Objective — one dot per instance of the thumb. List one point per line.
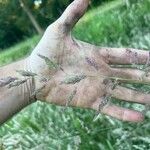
(73, 13)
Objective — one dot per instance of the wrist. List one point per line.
(14, 95)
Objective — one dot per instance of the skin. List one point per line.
(75, 57)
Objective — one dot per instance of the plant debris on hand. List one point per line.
(37, 91)
(51, 64)
(92, 63)
(73, 79)
(104, 102)
(6, 81)
(71, 96)
(26, 73)
(17, 83)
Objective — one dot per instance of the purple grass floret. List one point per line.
(92, 63)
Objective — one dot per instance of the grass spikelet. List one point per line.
(71, 96)
(104, 102)
(51, 64)
(111, 83)
(26, 73)
(6, 81)
(37, 91)
(44, 79)
(115, 84)
(17, 83)
(146, 70)
(92, 63)
(73, 79)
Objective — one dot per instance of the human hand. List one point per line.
(80, 74)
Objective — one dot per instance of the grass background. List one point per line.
(45, 127)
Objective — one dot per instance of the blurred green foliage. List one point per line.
(15, 24)
(46, 127)
(127, 26)
(18, 51)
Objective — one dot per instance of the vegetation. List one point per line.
(48, 127)
(33, 16)
(18, 51)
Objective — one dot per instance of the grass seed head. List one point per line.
(115, 84)
(51, 64)
(73, 79)
(71, 96)
(17, 83)
(92, 63)
(6, 81)
(37, 91)
(44, 79)
(26, 73)
(104, 102)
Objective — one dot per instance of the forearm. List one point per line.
(12, 100)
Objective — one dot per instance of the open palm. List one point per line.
(81, 74)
